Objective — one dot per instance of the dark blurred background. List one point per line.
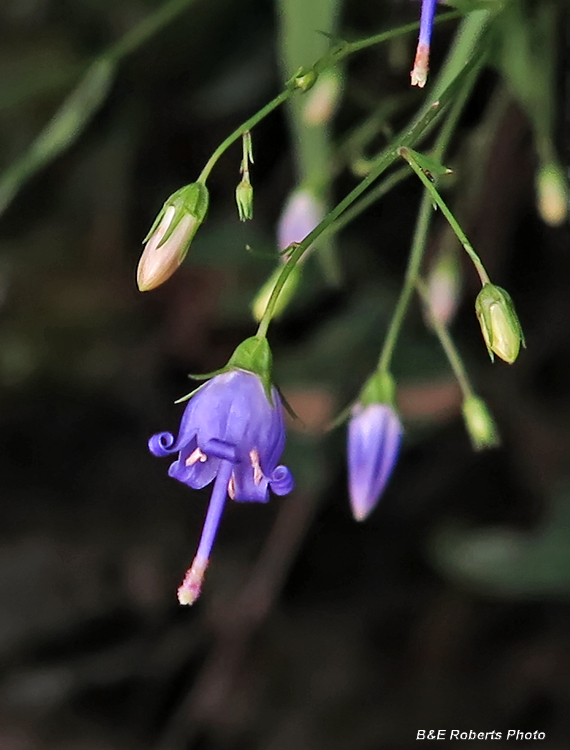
(448, 608)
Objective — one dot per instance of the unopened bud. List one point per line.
(322, 102)
(499, 323)
(552, 194)
(300, 216)
(480, 424)
(244, 199)
(444, 287)
(171, 234)
(262, 297)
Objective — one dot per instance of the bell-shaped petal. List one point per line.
(231, 433)
(374, 437)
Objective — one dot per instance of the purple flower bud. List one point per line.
(300, 216)
(230, 433)
(421, 62)
(374, 436)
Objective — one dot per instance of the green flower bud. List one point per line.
(552, 194)
(499, 323)
(244, 199)
(288, 290)
(171, 234)
(304, 79)
(480, 424)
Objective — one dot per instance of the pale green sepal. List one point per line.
(188, 396)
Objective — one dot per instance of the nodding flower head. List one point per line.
(421, 62)
(374, 437)
(233, 434)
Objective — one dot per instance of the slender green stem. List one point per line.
(347, 48)
(422, 123)
(412, 270)
(302, 247)
(421, 231)
(369, 199)
(147, 28)
(408, 155)
(243, 128)
(331, 58)
(446, 342)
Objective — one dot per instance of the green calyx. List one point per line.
(304, 79)
(252, 355)
(499, 323)
(191, 200)
(380, 388)
(244, 200)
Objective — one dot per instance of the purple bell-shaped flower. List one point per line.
(231, 433)
(374, 437)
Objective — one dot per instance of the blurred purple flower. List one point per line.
(421, 62)
(232, 434)
(374, 437)
(300, 216)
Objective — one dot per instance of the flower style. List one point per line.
(421, 62)
(374, 437)
(232, 434)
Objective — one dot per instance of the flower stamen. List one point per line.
(196, 456)
(232, 487)
(257, 472)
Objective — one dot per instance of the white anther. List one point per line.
(232, 488)
(257, 472)
(196, 456)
